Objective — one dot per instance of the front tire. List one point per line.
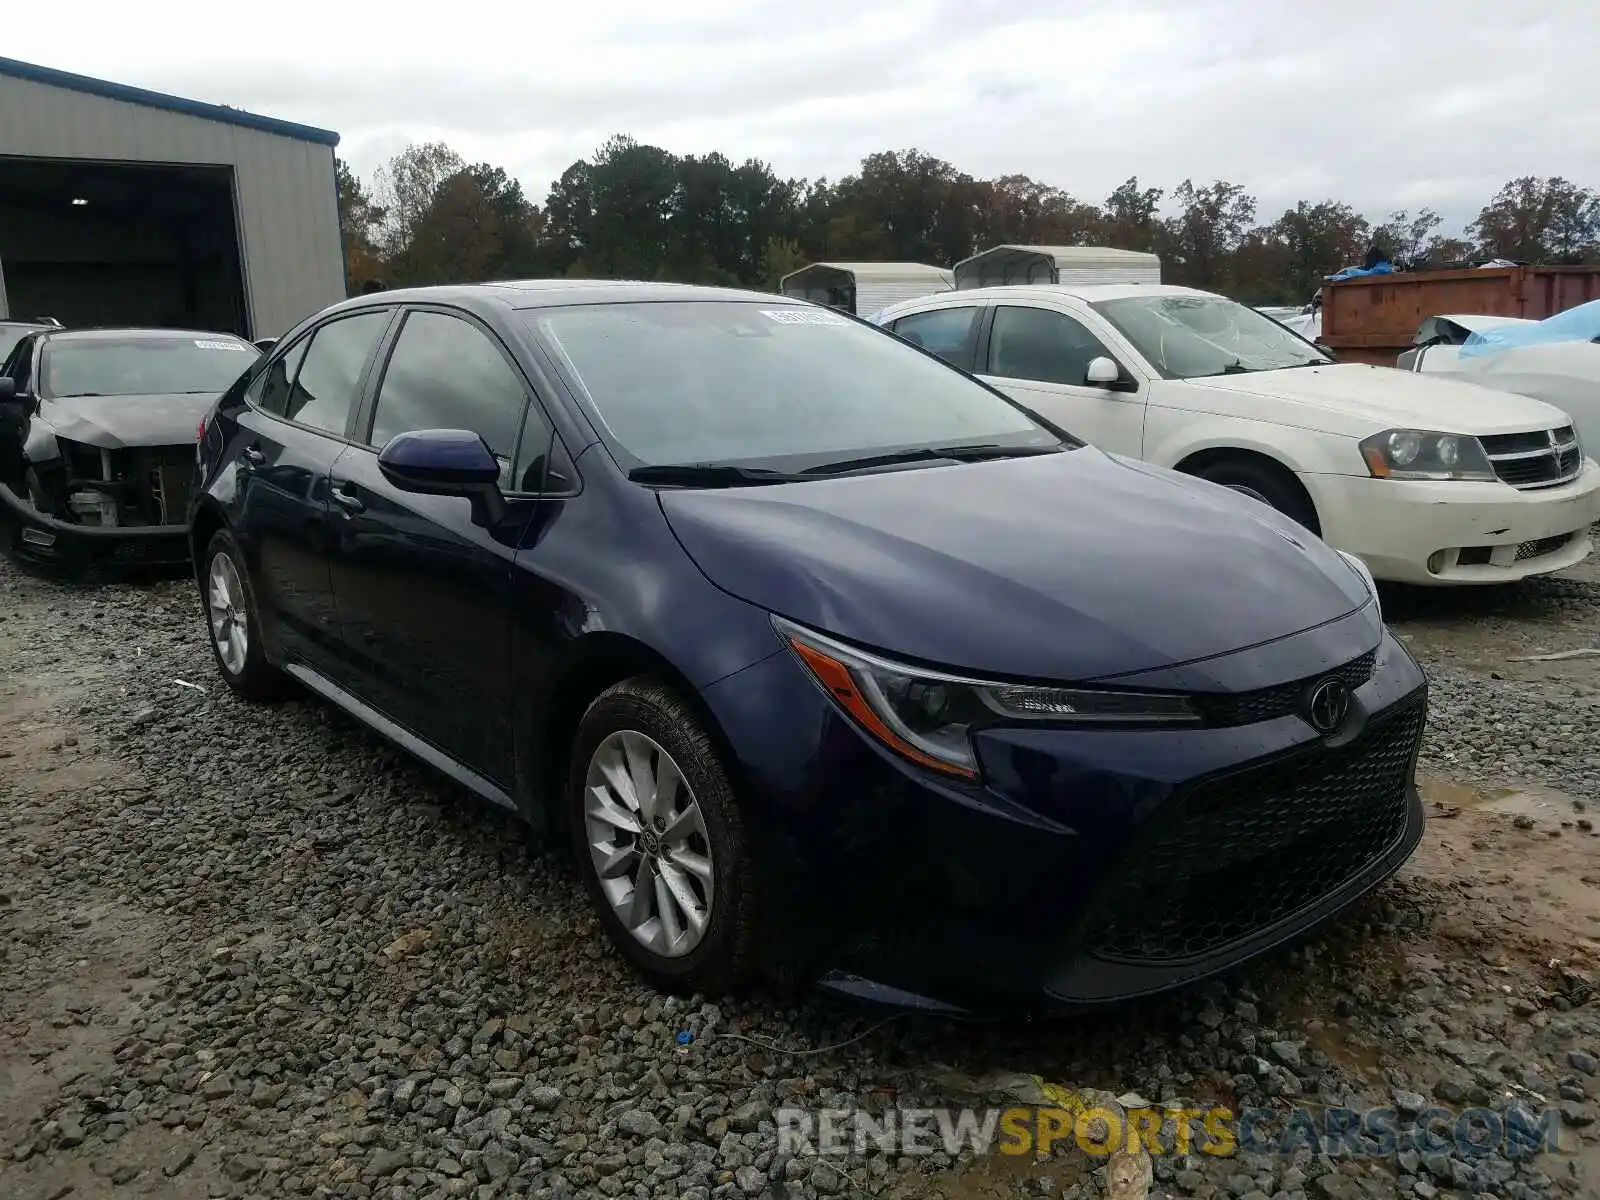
(1271, 485)
(660, 841)
(232, 625)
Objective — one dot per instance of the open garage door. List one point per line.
(117, 244)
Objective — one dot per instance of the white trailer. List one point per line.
(863, 288)
(1001, 266)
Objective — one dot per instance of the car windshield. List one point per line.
(779, 387)
(1191, 337)
(140, 366)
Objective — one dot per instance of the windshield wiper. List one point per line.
(708, 475)
(972, 453)
(74, 395)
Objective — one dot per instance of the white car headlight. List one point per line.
(1361, 569)
(1426, 454)
(928, 716)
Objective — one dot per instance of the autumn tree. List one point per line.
(359, 221)
(1444, 253)
(1539, 221)
(1409, 238)
(1208, 226)
(907, 206)
(406, 188)
(611, 215)
(1131, 218)
(1024, 211)
(477, 226)
(1318, 240)
(632, 210)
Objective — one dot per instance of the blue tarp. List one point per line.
(1382, 268)
(1581, 324)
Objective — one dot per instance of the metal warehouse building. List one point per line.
(120, 206)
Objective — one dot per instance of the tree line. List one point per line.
(636, 211)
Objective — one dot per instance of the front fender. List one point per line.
(40, 447)
(1302, 451)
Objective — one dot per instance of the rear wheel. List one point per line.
(231, 621)
(1266, 483)
(661, 842)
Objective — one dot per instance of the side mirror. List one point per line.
(446, 462)
(8, 388)
(1103, 372)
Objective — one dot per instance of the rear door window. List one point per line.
(325, 386)
(947, 332)
(270, 391)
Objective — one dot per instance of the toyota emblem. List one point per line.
(1328, 706)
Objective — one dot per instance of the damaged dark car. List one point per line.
(97, 440)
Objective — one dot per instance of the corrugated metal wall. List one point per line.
(873, 294)
(288, 214)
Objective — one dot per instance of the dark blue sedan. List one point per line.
(831, 662)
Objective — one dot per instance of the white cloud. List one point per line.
(1379, 104)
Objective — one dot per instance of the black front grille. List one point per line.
(1541, 547)
(1534, 460)
(1269, 703)
(1522, 443)
(1239, 854)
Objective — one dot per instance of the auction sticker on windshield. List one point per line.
(207, 344)
(803, 316)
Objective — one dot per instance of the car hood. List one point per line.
(112, 422)
(1071, 566)
(1356, 399)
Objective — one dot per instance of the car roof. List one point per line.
(553, 293)
(1090, 293)
(543, 293)
(135, 333)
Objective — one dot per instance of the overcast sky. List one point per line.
(1389, 104)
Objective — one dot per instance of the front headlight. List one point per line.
(1361, 569)
(1423, 454)
(928, 716)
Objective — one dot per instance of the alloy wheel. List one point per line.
(648, 843)
(230, 627)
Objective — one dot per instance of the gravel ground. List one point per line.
(256, 952)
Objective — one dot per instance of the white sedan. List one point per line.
(1428, 481)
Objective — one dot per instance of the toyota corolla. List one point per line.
(829, 661)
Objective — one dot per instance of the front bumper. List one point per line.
(1480, 532)
(40, 538)
(1091, 867)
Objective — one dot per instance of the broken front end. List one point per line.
(91, 504)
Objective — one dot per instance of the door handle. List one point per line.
(348, 500)
(252, 456)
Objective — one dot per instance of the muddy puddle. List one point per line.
(1529, 801)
